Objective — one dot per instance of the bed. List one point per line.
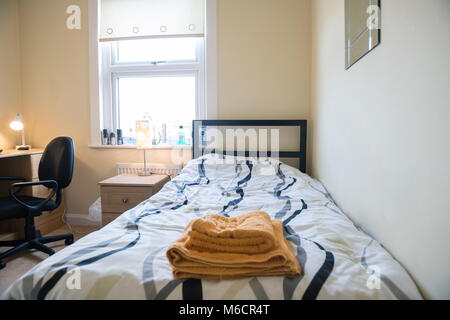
(127, 258)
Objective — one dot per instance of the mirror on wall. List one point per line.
(362, 29)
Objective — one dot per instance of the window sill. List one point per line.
(131, 147)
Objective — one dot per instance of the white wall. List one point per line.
(381, 131)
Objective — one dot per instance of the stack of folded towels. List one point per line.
(217, 247)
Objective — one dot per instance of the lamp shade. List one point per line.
(143, 136)
(17, 124)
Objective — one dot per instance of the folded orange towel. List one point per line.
(218, 265)
(249, 233)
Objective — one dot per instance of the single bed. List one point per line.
(127, 258)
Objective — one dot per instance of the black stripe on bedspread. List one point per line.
(133, 226)
(192, 289)
(181, 189)
(290, 284)
(238, 189)
(320, 277)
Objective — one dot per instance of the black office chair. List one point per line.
(55, 172)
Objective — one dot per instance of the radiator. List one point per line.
(171, 170)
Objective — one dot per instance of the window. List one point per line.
(151, 50)
(161, 79)
(151, 58)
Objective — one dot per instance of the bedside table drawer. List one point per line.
(124, 192)
(121, 199)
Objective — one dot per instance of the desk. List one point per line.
(26, 164)
(12, 153)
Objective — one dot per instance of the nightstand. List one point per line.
(124, 192)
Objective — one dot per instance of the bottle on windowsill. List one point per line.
(119, 137)
(181, 136)
(105, 137)
(112, 139)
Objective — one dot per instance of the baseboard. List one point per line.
(81, 220)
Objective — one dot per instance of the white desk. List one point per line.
(9, 153)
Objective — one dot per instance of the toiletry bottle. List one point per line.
(105, 139)
(181, 135)
(112, 139)
(119, 137)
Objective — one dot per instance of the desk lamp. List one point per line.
(17, 125)
(143, 141)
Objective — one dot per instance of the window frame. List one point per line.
(112, 70)
(209, 96)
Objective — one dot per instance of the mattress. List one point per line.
(127, 258)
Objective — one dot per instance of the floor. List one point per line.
(19, 264)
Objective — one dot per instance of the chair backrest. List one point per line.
(57, 162)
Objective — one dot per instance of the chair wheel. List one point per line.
(2, 264)
(69, 241)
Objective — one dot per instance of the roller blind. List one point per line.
(131, 19)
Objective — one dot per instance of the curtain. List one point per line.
(133, 19)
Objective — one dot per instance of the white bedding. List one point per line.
(126, 259)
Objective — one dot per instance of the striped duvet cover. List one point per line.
(127, 258)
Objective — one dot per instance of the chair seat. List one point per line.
(9, 208)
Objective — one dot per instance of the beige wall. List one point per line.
(10, 71)
(55, 77)
(381, 132)
(252, 83)
(264, 59)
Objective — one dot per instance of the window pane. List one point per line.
(154, 50)
(167, 100)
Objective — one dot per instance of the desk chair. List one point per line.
(55, 172)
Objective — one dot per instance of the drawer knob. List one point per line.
(125, 200)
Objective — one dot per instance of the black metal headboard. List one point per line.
(199, 125)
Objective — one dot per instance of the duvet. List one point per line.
(127, 258)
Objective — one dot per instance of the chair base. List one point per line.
(37, 243)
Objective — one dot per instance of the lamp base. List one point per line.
(23, 148)
(144, 173)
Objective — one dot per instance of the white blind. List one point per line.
(129, 19)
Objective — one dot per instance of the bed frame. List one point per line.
(198, 150)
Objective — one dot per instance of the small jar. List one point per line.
(119, 137)
(112, 139)
(105, 137)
